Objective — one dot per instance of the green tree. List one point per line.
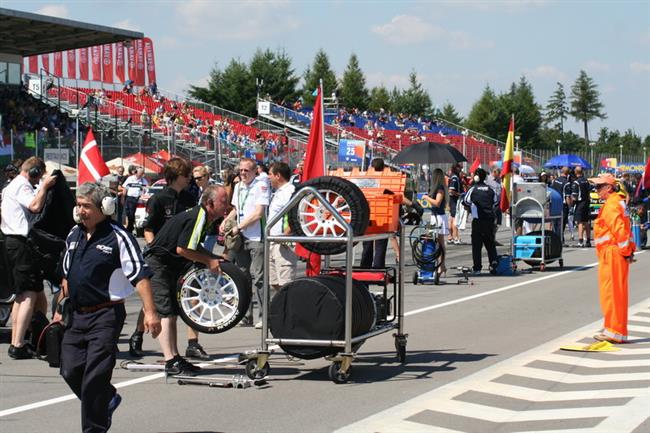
(450, 114)
(274, 74)
(487, 114)
(379, 98)
(232, 89)
(585, 102)
(557, 109)
(320, 69)
(415, 100)
(354, 93)
(397, 104)
(520, 101)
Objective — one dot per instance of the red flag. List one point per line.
(151, 61)
(72, 63)
(314, 167)
(83, 64)
(96, 60)
(475, 165)
(646, 175)
(91, 164)
(119, 62)
(139, 62)
(506, 170)
(107, 62)
(33, 64)
(45, 60)
(58, 64)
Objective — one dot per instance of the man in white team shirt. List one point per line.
(250, 200)
(283, 260)
(134, 186)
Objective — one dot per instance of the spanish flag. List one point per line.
(506, 172)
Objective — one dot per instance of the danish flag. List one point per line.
(91, 164)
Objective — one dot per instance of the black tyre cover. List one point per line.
(314, 308)
(354, 198)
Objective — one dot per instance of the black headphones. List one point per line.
(35, 172)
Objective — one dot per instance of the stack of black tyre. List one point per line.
(313, 308)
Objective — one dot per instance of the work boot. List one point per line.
(135, 345)
(195, 350)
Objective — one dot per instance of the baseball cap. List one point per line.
(603, 178)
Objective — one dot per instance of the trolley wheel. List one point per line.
(436, 276)
(400, 347)
(542, 267)
(561, 262)
(256, 373)
(415, 278)
(336, 375)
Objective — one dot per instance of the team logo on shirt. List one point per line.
(105, 249)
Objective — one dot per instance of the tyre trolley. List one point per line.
(538, 247)
(344, 350)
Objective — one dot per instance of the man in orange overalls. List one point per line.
(615, 251)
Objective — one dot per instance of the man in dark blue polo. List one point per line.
(101, 266)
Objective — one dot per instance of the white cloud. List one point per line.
(645, 37)
(640, 68)
(546, 72)
(595, 65)
(169, 42)
(126, 24)
(59, 11)
(387, 80)
(181, 84)
(236, 20)
(510, 7)
(406, 29)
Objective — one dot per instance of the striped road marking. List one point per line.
(543, 389)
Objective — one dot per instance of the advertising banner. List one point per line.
(119, 62)
(139, 62)
(352, 151)
(107, 63)
(96, 59)
(132, 68)
(72, 63)
(58, 64)
(151, 60)
(83, 64)
(45, 62)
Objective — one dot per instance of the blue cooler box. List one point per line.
(525, 246)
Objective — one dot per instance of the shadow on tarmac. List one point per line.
(381, 366)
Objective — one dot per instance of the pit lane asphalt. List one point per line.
(456, 338)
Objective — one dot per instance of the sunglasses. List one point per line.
(245, 170)
(600, 186)
(198, 177)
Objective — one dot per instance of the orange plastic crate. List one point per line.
(377, 187)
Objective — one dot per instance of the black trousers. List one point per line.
(483, 235)
(374, 254)
(88, 355)
(130, 204)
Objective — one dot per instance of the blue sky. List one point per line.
(456, 47)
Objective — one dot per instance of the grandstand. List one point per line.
(145, 120)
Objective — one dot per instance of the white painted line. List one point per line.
(409, 313)
(492, 292)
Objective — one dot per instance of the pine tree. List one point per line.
(319, 70)
(274, 75)
(585, 102)
(557, 109)
(486, 116)
(379, 98)
(450, 114)
(520, 100)
(415, 100)
(354, 93)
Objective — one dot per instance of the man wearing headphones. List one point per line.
(20, 203)
(101, 266)
(483, 201)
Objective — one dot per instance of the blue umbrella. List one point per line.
(567, 160)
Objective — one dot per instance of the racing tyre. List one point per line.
(310, 218)
(213, 303)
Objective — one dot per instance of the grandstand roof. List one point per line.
(29, 34)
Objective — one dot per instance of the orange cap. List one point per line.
(603, 178)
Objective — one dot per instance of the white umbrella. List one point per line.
(113, 164)
(526, 169)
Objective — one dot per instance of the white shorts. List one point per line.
(442, 222)
(283, 263)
